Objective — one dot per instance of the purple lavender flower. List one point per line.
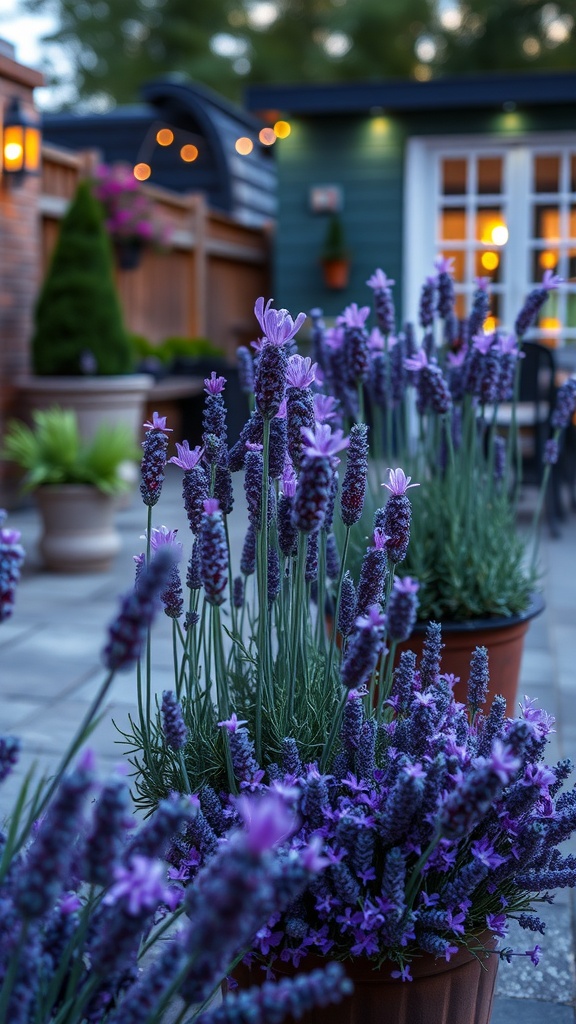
(273, 574)
(311, 570)
(213, 553)
(299, 414)
(270, 380)
(315, 480)
(223, 490)
(107, 834)
(445, 285)
(356, 343)
(551, 452)
(325, 408)
(12, 556)
(289, 996)
(394, 519)
(383, 301)
(246, 768)
(193, 579)
(372, 575)
(245, 370)
(248, 559)
(364, 648)
(154, 445)
(171, 596)
(46, 869)
(354, 484)
(565, 406)
(403, 681)
(277, 324)
(9, 751)
(127, 632)
(431, 656)
(278, 446)
(402, 608)
(534, 302)
(253, 485)
(173, 727)
(214, 414)
(480, 306)
(238, 592)
(427, 301)
(488, 381)
(467, 804)
(194, 482)
(333, 563)
(478, 680)
(347, 613)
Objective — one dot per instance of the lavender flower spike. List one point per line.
(213, 553)
(323, 442)
(11, 558)
(402, 608)
(277, 324)
(187, 458)
(173, 726)
(396, 515)
(315, 480)
(364, 649)
(154, 445)
(127, 633)
(301, 372)
(354, 483)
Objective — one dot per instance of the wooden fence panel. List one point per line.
(204, 284)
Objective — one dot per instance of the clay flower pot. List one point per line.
(460, 991)
(336, 273)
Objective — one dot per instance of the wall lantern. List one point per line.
(21, 143)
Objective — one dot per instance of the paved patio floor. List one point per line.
(50, 670)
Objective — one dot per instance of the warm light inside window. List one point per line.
(550, 323)
(189, 153)
(282, 129)
(244, 145)
(142, 172)
(499, 234)
(548, 260)
(164, 137)
(490, 324)
(490, 260)
(267, 136)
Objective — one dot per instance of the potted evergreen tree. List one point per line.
(81, 352)
(335, 258)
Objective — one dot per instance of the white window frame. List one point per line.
(421, 203)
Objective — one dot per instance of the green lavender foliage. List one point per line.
(78, 310)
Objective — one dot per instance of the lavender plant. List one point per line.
(97, 923)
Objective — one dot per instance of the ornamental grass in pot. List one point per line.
(436, 820)
(75, 484)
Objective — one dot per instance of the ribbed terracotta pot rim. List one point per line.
(536, 607)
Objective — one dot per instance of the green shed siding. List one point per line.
(368, 167)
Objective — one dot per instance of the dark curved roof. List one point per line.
(243, 186)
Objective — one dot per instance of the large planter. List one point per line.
(116, 399)
(504, 638)
(458, 992)
(78, 530)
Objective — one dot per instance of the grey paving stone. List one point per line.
(529, 1011)
(554, 975)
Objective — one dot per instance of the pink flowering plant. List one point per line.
(437, 395)
(435, 821)
(129, 212)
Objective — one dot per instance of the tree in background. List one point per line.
(115, 45)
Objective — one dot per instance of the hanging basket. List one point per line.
(128, 252)
(336, 273)
(458, 992)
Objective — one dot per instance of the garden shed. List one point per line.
(481, 169)
(184, 137)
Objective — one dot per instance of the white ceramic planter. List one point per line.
(119, 399)
(78, 529)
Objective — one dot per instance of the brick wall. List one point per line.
(19, 258)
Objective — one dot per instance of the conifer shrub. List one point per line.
(78, 318)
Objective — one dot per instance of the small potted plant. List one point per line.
(130, 220)
(335, 258)
(75, 484)
(81, 353)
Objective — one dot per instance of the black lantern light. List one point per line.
(21, 143)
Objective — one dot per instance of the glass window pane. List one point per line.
(546, 223)
(453, 223)
(546, 173)
(544, 259)
(460, 306)
(573, 173)
(491, 226)
(454, 177)
(459, 258)
(489, 175)
(489, 264)
(571, 309)
(549, 319)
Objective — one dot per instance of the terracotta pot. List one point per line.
(78, 531)
(458, 992)
(336, 273)
(504, 638)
